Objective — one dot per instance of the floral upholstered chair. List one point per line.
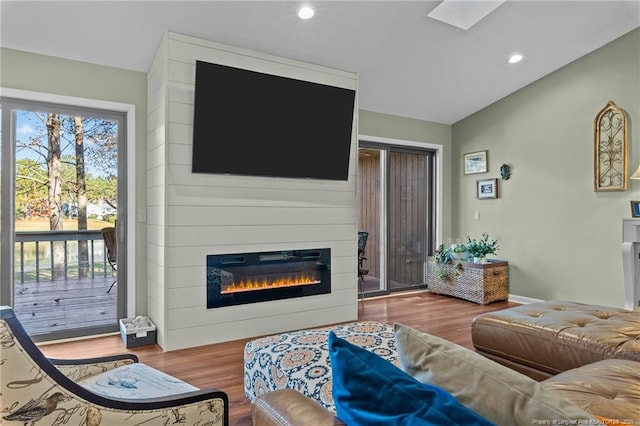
(116, 390)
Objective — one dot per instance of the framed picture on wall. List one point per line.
(635, 209)
(486, 188)
(475, 162)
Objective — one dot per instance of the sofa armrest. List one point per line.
(609, 388)
(289, 407)
(78, 369)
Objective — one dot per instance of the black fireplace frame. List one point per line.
(318, 259)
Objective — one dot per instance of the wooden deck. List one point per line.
(46, 307)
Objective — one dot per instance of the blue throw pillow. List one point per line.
(368, 390)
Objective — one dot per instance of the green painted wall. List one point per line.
(561, 238)
(48, 74)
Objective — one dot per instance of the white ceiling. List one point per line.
(407, 64)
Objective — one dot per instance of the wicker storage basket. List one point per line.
(477, 282)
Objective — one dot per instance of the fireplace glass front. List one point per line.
(239, 278)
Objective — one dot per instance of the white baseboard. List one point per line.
(522, 299)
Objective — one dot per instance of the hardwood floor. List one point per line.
(221, 365)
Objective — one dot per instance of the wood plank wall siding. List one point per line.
(221, 365)
(369, 205)
(157, 129)
(194, 215)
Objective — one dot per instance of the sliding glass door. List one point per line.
(61, 187)
(395, 206)
(408, 216)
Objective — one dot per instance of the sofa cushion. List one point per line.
(370, 390)
(498, 393)
(135, 381)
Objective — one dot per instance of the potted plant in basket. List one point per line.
(446, 255)
(459, 252)
(479, 249)
(473, 250)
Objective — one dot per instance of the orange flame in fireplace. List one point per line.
(267, 284)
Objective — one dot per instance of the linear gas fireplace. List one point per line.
(235, 279)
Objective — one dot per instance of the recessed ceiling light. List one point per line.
(305, 12)
(515, 58)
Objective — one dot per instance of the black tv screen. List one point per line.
(252, 123)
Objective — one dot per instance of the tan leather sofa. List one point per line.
(610, 388)
(290, 407)
(587, 355)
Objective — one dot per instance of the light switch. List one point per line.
(476, 215)
(142, 216)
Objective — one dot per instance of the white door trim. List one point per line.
(130, 112)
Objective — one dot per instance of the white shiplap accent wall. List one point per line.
(156, 189)
(193, 215)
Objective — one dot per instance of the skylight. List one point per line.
(463, 13)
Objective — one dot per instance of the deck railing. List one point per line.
(34, 259)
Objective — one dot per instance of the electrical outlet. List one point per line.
(476, 215)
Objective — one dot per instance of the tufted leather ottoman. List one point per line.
(546, 338)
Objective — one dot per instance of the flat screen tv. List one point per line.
(257, 124)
